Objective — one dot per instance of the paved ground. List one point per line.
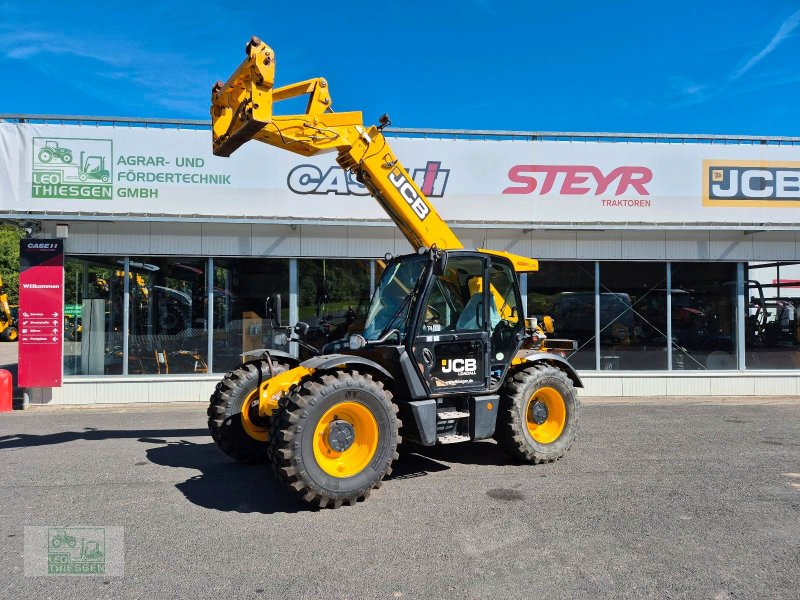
(676, 501)
(8, 352)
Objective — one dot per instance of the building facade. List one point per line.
(673, 261)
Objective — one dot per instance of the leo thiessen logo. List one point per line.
(76, 550)
(72, 168)
(751, 183)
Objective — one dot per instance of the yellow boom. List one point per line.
(242, 109)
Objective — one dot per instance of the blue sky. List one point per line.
(699, 67)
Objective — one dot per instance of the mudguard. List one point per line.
(555, 360)
(328, 361)
(280, 355)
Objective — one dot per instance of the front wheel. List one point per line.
(9, 334)
(538, 417)
(230, 419)
(336, 438)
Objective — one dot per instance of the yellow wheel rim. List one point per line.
(550, 429)
(254, 431)
(349, 416)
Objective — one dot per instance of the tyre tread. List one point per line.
(285, 441)
(511, 431)
(224, 418)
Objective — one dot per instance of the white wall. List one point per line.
(353, 241)
(176, 388)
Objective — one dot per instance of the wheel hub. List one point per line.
(340, 435)
(539, 412)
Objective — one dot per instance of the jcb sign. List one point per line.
(751, 183)
(408, 192)
(460, 366)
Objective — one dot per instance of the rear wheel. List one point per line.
(234, 427)
(538, 417)
(336, 438)
(9, 334)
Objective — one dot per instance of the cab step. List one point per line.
(452, 438)
(449, 414)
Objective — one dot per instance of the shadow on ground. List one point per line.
(226, 485)
(26, 440)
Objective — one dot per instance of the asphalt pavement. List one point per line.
(686, 500)
(8, 361)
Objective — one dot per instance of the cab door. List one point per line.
(451, 341)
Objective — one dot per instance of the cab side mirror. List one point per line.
(440, 263)
(274, 309)
(301, 329)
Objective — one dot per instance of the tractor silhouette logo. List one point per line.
(72, 168)
(76, 550)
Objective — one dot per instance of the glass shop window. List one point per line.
(772, 328)
(251, 308)
(334, 297)
(564, 290)
(168, 316)
(633, 316)
(703, 316)
(93, 315)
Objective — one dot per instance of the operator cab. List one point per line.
(454, 319)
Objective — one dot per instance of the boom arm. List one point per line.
(242, 109)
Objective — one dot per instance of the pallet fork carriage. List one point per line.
(446, 351)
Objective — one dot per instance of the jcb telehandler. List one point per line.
(445, 347)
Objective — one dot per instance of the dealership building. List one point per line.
(671, 259)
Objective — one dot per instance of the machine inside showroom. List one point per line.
(445, 351)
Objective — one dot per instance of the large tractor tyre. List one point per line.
(538, 417)
(335, 438)
(9, 334)
(45, 155)
(229, 417)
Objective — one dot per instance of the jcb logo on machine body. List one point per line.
(415, 201)
(751, 183)
(460, 366)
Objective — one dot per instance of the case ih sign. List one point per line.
(41, 312)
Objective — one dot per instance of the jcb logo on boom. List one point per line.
(460, 366)
(751, 183)
(410, 194)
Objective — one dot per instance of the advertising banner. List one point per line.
(41, 312)
(146, 172)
